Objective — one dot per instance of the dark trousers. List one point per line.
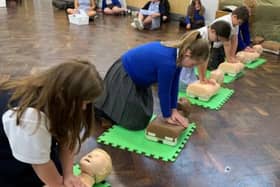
(216, 58)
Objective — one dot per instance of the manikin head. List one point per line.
(97, 164)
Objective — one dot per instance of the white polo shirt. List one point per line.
(30, 141)
(234, 29)
(204, 32)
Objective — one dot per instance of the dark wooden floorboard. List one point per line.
(243, 135)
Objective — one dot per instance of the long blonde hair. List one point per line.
(199, 48)
(59, 92)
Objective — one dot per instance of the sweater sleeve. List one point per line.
(174, 89)
(166, 75)
(241, 44)
(162, 9)
(187, 20)
(246, 33)
(146, 6)
(117, 3)
(103, 4)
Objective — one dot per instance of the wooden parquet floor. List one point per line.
(242, 137)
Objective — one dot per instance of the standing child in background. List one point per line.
(218, 31)
(149, 16)
(195, 16)
(127, 99)
(228, 49)
(42, 117)
(244, 38)
(88, 6)
(112, 7)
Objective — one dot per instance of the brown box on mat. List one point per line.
(160, 130)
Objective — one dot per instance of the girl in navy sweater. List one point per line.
(195, 15)
(127, 99)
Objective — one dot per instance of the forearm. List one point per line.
(93, 5)
(165, 104)
(202, 71)
(76, 4)
(48, 174)
(234, 43)
(227, 48)
(67, 160)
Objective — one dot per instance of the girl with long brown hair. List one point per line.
(195, 16)
(43, 116)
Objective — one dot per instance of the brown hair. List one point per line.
(60, 92)
(241, 13)
(191, 40)
(191, 9)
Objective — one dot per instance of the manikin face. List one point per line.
(187, 61)
(96, 162)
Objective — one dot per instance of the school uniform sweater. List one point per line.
(243, 36)
(196, 17)
(154, 63)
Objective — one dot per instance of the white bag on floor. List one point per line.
(80, 18)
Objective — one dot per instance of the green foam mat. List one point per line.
(227, 78)
(135, 141)
(255, 64)
(77, 172)
(215, 102)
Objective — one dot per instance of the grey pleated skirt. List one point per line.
(125, 103)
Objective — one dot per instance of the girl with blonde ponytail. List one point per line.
(127, 99)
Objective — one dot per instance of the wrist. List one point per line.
(58, 183)
(202, 79)
(174, 110)
(67, 173)
(87, 179)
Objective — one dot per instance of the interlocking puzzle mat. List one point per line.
(256, 63)
(215, 102)
(135, 141)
